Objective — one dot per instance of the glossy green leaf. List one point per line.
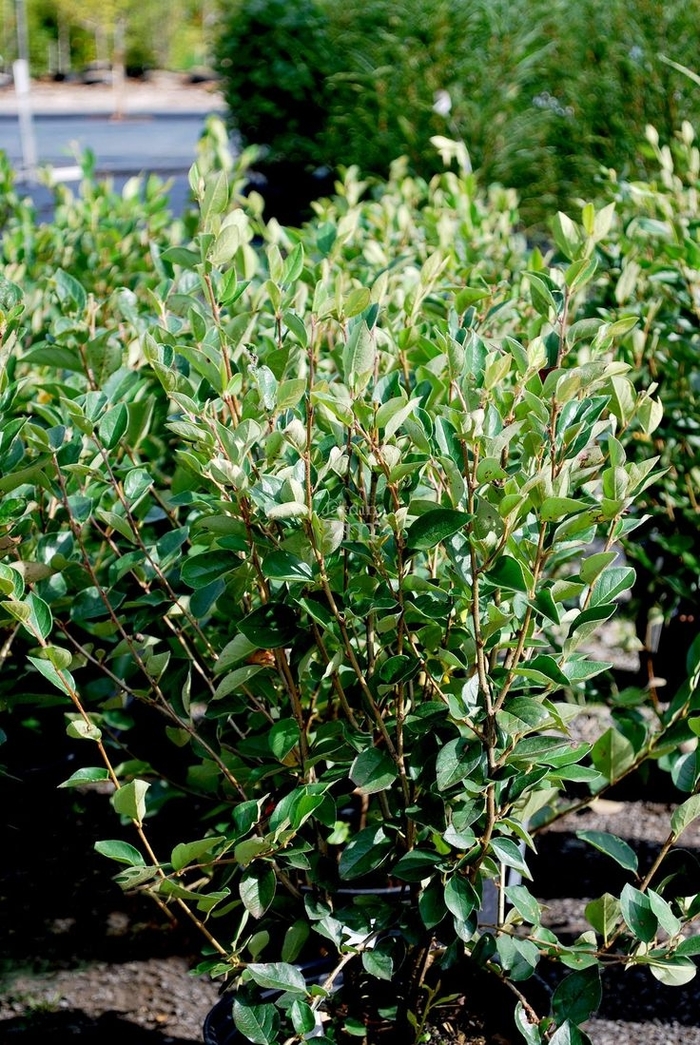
(612, 754)
(435, 526)
(80, 729)
(278, 976)
(120, 851)
(256, 1023)
(508, 852)
(461, 899)
(365, 852)
(257, 888)
(416, 865)
(303, 1017)
(373, 770)
(186, 853)
(270, 626)
(359, 355)
(578, 996)
(685, 814)
(508, 573)
(88, 775)
(200, 570)
(130, 800)
(281, 566)
(638, 914)
(603, 915)
(113, 426)
(673, 971)
(612, 846)
(569, 1034)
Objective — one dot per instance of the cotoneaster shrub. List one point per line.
(340, 506)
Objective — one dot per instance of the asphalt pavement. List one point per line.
(147, 127)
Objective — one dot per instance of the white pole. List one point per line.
(20, 71)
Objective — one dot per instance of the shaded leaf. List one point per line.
(613, 846)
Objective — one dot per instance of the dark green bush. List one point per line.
(275, 59)
(545, 95)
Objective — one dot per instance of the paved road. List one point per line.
(164, 143)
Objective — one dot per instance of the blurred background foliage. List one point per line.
(546, 94)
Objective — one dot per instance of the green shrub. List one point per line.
(340, 505)
(546, 96)
(650, 269)
(274, 58)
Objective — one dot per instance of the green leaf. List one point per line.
(88, 775)
(186, 853)
(293, 266)
(364, 853)
(508, 573)
(303, 1017)
(612, 754)
(518, 957)
(122, 852)
(79, 729)
(673, 971)
(540, 294)
(555, 508)
(378, 963)
(181, 256)
(356, 301)
(256, 1023)
(461, 898)
(612, 846)
(270, 626)
(593, 565)
(416, 865)
(637, 912)
(603, 914)
(578, 996)
(215, 196)
(236, 679)
(529, 1031)
(508, 852)
(200, 570)
(689, 948)
(40, 620)
(433, 527)
(113, 426)
(257, 888)
(569, 1034)
(294, 939)
(524, 902)
(130, 800)
(373, 771)
(283, 737)
(455, 761)
(60, 658)
(580, 273)
(359, 355)
(278, 976)
(667, 919)
(611, 583)
(70, 292)
(685, 814)
(281, 566)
